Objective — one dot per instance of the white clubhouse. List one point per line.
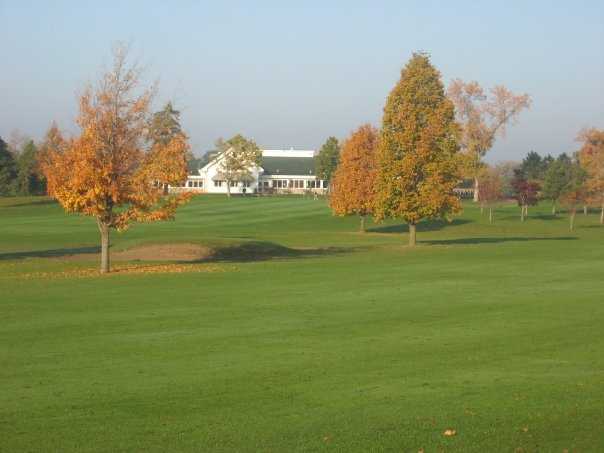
(281, 171)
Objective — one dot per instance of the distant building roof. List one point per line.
(288, 165)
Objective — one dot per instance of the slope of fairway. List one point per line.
(299, 334)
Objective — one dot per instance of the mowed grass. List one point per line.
(309, 337)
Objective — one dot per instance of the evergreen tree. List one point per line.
(418, 164)
(8, 170)
(165, 125)
(534, 166)
(30, 181)
(327, 160)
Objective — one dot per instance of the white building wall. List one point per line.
(204, 182)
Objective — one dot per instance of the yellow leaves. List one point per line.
(129, 269)
(449, 432)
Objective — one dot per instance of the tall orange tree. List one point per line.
(591, 157)
(112, 171)
(353, 184)
(482, 117)
(418, 164)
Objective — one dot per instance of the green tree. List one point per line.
(165, 125)
(239, 157)
(418, 164)
(534, 166)
(327, 160)
(556, 179)
(30, 180)
(8, 170)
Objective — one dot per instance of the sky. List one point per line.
(290, 74)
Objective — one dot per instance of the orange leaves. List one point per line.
(129, 269)
(418, 163)
(591, 157)
(353, 185)
(107, 171)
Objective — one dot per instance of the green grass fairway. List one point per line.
(306, 335)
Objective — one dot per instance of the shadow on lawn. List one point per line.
(18, 204)
(55, 253)
(491, 240)
(264, 251)
(433, 225)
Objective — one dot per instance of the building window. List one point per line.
(246, 184)
(217, 183)
(233, 183)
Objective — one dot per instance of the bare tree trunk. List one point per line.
(228, 183)
(602, 215)
(481, 208)
(573, 212)
(412, 235)
(362, 226)
(104, 230)
(490, 214)
(475, 190)
(554, 208)
(522, 213)
(584, 209)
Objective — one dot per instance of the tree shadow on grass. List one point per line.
(265, 251)
(432, 225)
(54, 253)
(19, 204)
(495, 240)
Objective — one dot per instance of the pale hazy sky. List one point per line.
(292, 73)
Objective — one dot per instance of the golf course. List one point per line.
(266, 324)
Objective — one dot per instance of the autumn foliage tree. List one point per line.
(353, 183)
(112, 171)
(574, 193)
(490, 193)
(591, 157)
(525, 191)
(239, 156)
(418, 165)
(482, 118)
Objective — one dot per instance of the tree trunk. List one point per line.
(490, 214)
(362, 226)
(228, 183)
(522, 213)
(412, 235)
(584, 210)
(475, 190)
(104, 230)
(602, 216)
(554, 208)
(573, 212)
(481, 208)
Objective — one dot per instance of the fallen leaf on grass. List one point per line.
(131, 269)
(449, 432)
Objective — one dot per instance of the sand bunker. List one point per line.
(164, 252)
